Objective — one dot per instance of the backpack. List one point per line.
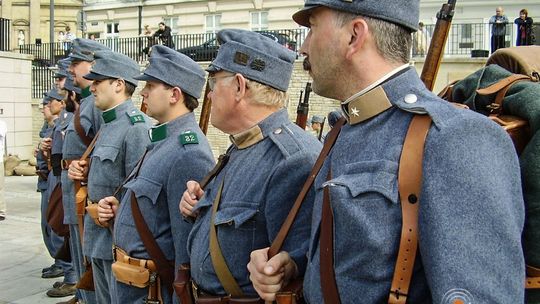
(507, 90)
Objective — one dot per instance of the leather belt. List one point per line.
(65, 163)
(119, 255)
(202, 297)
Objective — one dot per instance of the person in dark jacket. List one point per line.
(524, 28)
(164, 35)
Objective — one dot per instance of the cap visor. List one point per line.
(212, 68)
(145, 77)
(94, 76)
(302, 16)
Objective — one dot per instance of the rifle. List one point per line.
(303, 107)
(205, 110)
(322, 128)
(438, 42)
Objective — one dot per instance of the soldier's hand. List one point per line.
(107, 208)
(45, 144)
(269, 276)
(190, 198)
(78, 170)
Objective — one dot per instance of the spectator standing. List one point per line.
(164, 35)
(498, 29)
(421, 40)
(150, 39)
(68, 38)
(524, 28)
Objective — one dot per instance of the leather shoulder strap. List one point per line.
(284, 230)
(410, 186)
(79, 128)
(501, 88)
(164, 268)
(223, 272)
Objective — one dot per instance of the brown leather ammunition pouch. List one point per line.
(132, 271)
(92, 211)
(139, 273)
(55, 212)
(86, 282)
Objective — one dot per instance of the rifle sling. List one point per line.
(410, 187)
(284, 230)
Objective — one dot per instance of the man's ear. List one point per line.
(176, 95)
(358, 30)
(241, 86)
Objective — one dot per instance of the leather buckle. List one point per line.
(494, 108)
(398, 294)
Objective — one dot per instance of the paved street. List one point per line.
(22, 253)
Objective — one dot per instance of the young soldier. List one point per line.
(121, 143)
(50, 239)
(268, 163)
(57, 106)
(75, 143)
(179, 152)
(470, 206)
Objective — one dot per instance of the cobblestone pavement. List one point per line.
(22, 253)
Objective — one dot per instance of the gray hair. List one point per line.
(266, 95)
(393, 41)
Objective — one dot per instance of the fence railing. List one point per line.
(463, 39)
(5, 34)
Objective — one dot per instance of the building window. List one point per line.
(172, 22)
(112, 30)
(213, 23)
(466, 31)
(259, 21)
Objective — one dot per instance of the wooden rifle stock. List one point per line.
(205, 110)
(438, 42)
(303, 107)
(321, 130)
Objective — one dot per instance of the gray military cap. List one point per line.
(109, 64)
(63, 65)
(54, 94)
(69, 85)
(402, 12)
(174, 69)
(46, 99)
(84, 49)
(317, 119)
(255, 56)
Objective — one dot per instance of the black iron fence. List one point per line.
(463, 41)
(5, 34)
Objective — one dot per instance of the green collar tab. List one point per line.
(189, 138)
(86, 92)
(158, 133)
(109, 115)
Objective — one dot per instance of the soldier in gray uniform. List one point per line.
(179, 152)
(122, 140)
(470, 208)
(66, 287)
(50, 239)
(62, 73)
(269, 160)
(82, 56)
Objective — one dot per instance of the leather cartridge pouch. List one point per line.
(131, 271)
(55, 212)
(86, 282)
(182, 284)
(92, 210)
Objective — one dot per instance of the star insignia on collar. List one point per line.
(355, 112)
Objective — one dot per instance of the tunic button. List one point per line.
(410, 98)
(278, 131)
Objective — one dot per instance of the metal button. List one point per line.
(278, 131)
(410, 98)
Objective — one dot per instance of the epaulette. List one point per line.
(135, 117)
(286, 140)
